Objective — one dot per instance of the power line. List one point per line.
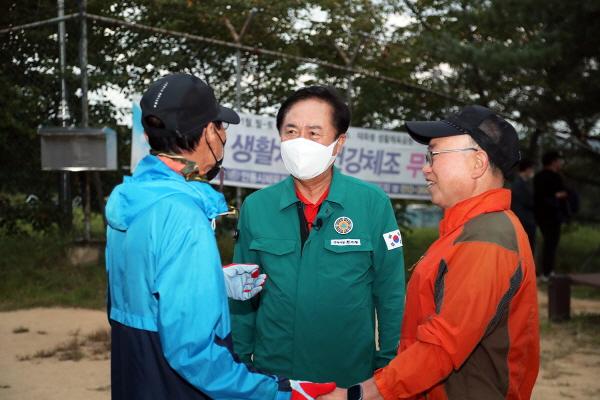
(40, 23)
(259, 50)
(242, 47)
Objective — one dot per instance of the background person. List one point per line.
(471, 328)
(333, 252)
(522, 203)
(551, 205)
(167, 303)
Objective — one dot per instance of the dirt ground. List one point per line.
(57, 353)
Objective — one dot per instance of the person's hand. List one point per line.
(243, 280)
(337, 394)
(303, 390)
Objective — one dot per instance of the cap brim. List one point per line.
(228, 115)
(424, 131)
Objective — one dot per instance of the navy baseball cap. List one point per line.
(183, 103)
(497, 137)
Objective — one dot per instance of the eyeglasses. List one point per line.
(221, 124)
(429, 155)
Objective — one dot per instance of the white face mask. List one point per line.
(305, 159)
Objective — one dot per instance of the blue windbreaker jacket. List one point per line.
(167, 303)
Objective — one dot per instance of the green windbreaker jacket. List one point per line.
(315, 318)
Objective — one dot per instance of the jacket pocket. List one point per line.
(276, 247)
(345, 273)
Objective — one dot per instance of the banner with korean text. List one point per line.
(389, 159)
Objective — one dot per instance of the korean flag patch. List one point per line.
(393, 239)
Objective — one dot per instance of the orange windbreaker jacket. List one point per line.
(470, 329)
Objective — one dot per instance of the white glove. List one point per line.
(243, 280)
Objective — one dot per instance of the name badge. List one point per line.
(345, 242)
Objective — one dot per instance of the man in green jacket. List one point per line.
(332, 250)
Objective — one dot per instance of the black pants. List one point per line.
(530, 229)
(551, 235)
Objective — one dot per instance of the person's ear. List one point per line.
(215, 131)
(480, 165)
(340, 143)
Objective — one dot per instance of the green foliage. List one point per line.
(19, 217)
(536, 60)
(416, 242)
(34, 272)
(579, 249)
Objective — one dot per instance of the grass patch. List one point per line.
(416, 242)
(34, 272)
(68, 351)
(95, 346)
(577, 291)
(579, 249)
(585, 292)
(581, 329)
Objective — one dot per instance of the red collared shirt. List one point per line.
(310, 209)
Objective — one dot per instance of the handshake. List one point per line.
(302, 390)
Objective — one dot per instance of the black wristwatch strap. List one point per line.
(355, 392)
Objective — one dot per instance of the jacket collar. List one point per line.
(337, 190)
(212, 201)
(491, 201)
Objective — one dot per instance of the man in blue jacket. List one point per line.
(167, 299)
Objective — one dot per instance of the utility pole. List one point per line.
(85, 114)
(237, 38)
(64, 197)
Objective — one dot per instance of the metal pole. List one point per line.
(87, 210)
(84, 113)
(83, 64)
(65, 178)
(238, 103)
(237, 37)
(64, 107)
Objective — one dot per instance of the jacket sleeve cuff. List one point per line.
(382, 385)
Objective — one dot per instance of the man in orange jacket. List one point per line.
(470, 328)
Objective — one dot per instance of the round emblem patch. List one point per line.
(343, 225)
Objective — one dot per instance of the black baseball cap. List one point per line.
(183, 103)
(492, 133)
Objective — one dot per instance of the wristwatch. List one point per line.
(355, 392)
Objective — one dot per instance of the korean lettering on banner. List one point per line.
(259, 149)
(380, 162)
(367, 155)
